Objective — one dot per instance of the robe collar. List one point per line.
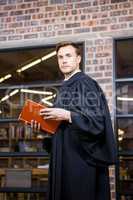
(72, 79)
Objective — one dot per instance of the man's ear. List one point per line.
(79, 59)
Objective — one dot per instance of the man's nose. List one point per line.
(64, 60)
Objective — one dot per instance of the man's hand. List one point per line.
(51, 113)
(56, 114)
(35, 126)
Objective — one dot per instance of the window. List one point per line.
(124, 116)
(30, 73)
(25, 74)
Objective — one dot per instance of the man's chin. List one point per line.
(65, 72)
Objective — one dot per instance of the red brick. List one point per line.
(15, 37)
(118, 26)
(118, 1)
(108, 73)
(90, 23)
(15, 25)
(130, 11)
(65, 32)
(30, 0)
(14, 1)
(104, 2)
(6, 19)
(31, 23)
(7, 32)
(125, 5)
(99, 15)
(72, 25)
(40, 4)
(38, 16)
(3, 14)
(3, 2)
(50, 8)
(104, 80)
(10, 7)
(3, 38)
(109, 7)
(103, 54)
(119, 12)
(24, 6)
(30, 36)
(31, 11)
(65, 7)
(126, 18)
(99, 28)
(90, 10)
(96, 74)
(131, 24)
(58, 14)
(74, 12)
(17, 12)
(83, 5)
(23, 18)
(47, 34)
(108, 20)
(99, 68)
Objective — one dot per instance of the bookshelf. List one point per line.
(22, 149)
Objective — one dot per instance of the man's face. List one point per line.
(68, 59)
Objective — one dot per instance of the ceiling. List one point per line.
(14, 59)
(10, 61)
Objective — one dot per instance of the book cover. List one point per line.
(31, 111)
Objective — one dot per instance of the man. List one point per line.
(83, 146)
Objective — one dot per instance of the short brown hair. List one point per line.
(67, 43)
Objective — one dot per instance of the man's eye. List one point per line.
(68, 55)
(59, 57)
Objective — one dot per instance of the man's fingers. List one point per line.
(48, 117)
(39, 127)
(35, 125)
(26, 123)
(45, 111)
(46, 114)
(32, 123)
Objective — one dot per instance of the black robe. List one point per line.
(82, 150)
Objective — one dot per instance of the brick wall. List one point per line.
(95, 22)
(33, 19)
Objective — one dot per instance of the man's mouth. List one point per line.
(65, 66)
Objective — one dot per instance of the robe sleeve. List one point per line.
(87, 114)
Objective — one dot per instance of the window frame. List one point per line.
(128, 153)
(6, 120)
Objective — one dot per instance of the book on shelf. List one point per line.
(31, 111)
(45, 166)
(30, 146)
(13, 177)
(4, 149)
(3, 133)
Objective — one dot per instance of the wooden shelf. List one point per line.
(35, 171)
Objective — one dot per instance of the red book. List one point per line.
(31, 111)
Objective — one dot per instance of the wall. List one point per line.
(96, 23)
